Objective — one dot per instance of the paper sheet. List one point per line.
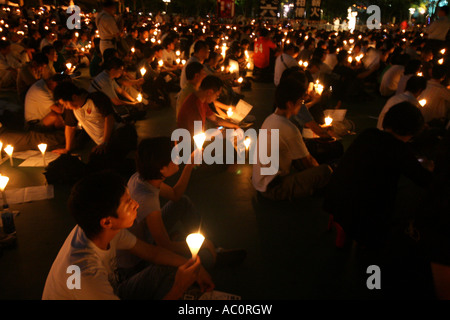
(335, 114)
(38, 160)
(28, 194)
(241, 111)
(23, 155)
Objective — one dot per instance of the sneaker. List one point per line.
(230, 257)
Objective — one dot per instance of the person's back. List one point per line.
(262, 47)
(390, 80)
(437, 96)
(38, 101)
(363, 188)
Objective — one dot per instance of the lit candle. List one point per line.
(222, 68)
(139, 98)
(1, 147)
(3, 182)
(350, 59)
(195, 241)
(318, 87)
(9, 149)
(230, 112)
(442, 51)
(247, 142)
(69, 65)
(240, 80)
(178, 60)
(160, 63)
(300, 63)
(419, 74)
(199, 140)
(183, 62)
(178, 53)
(43, 148)
(143, 71)
(441, 61)
(305, 64)
(423, 102)
(133, 50)
(328, 121)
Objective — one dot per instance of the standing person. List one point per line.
(107, 26)
(261, 57)
(103, 208)
(437, 30)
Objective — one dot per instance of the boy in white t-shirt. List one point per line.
(292, 151)
(85, 267)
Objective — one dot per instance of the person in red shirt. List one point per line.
(261, 56)
(196, 106)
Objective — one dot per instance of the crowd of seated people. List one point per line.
(153, 63)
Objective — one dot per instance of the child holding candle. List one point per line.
(103, 208)
(156, 224)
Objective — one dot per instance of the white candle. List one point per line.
(43, 148)
(9, 149)
(139, 97)
(3, 182)
(195, 241)
(143, 71)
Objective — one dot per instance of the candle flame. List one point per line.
(143, 71)
(3, 182)
(139, 97)
(247, 142)
(9, 150)
(199, 140)
(423, 102)
(42, 147)
(328, 121)
(229, 113)
(195, 241)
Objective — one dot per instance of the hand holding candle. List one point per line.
(195, 241)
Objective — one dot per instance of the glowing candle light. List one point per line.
(160, 63)
(442, 51)
(229, 113)
(9, 149)
(178, 53)
(139, 98)
(143, 71)
(249, 65)
(3, 182)
(222, 68)
(328, 121)
(240, 80)
(195, 241)
(423, 102)
(69, 65)
(350, 59)
(1, 147)
(199, 140)
(305, 64)
(247, 142)
(183, 62)
(178, 60)
(133, 50)
(43, 148)
(419, 74)
(441, 61)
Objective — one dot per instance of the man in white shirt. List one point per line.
(95, 117)
(391, 78)
(285, 61)
(292, 151)
(438, 29)
(85, 267)
(107, 26)
(437, 96)
(40, 107)
(105, 82)
(414, 87)
(201, 53)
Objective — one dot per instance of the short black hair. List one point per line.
(416, 84)
(95, 197)
(289, 90)
(438, 72)
(192, 69)
(152, 155)
(200, 45)
(47, 49)
(404, 119)
(211, 82)
(40, 59)
(65, 90)
(412, 67)
(113, 63)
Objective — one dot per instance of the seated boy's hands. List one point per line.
(187, 274)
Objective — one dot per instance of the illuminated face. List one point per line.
(213, 95)
(126, 212)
